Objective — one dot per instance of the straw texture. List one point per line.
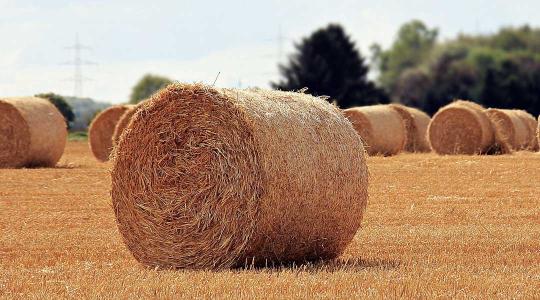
(216, 178)
(532, 125)
(101, 130)
(122, 124)
(32, 133)
(381, 128)
(416, 124)
(462, 127)
(511, 133)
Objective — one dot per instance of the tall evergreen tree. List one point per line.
(328, 64)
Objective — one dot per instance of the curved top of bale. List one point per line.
(228, 177)
(33, 132)
(122, 124)
(511, 133)
(416, 123)
(381, 128)
(532, 124)
(461, 127)
(101, 131)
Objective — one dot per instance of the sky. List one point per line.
(193, 41)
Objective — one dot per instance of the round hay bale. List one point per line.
(211, 178)
(416, 124)
(381, 128)
(532, 125)
(461, 127)
(101, 131)
(122, 124)
(33, 133)
(511, 133)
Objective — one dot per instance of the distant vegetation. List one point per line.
(84, 109)
(497, 70)
(147, 86)
(500, 70)
(328, 64)
(78, 136)
(61, 105)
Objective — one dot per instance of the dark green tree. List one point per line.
(61, 105)
(327, 63)
(147, 86)
(413, 44)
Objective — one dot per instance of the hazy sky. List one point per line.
(194, 40)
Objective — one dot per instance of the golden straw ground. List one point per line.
(416, 124)
(461, 127)
(381, 128)
(435, 227)
(101, 130)
(32, 133)
(233, 177)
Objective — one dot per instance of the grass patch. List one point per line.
(78, 136)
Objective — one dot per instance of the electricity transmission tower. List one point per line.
(78, 62)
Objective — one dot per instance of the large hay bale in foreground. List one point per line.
(33, 133)
(101, 130)
(216, 178)
(532, 125)
(122, 124)
(416, 124)
(381, 128)
(511, 133)
(461, 127)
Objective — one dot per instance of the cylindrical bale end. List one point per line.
(211, 178)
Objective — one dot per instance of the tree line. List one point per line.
(496, 70)
(500, 70)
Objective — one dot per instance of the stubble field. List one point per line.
(450, 227)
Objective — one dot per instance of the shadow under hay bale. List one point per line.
(210, 178)
(416, 124)
(101, 130)
(33, 133)
(381, 128)
(461, 127)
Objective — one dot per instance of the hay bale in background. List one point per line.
(381, 128)
(416, 124)
(101, 130)
(232, 177)
(532, 125)
(122, 124)
(461, 127)
(33, 133)
(511, 133)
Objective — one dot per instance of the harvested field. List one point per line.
(450, 226)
